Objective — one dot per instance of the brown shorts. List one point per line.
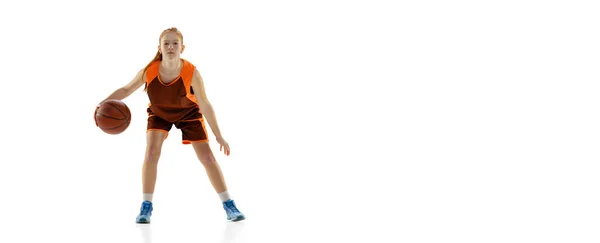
(191, 130)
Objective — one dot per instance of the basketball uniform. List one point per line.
(174, 103)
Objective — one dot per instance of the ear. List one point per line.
(158, 47)
(182, 48)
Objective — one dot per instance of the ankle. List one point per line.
(224, 196)
(147, 197)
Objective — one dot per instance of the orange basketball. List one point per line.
(113, 116)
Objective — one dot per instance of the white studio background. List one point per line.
(412, 121)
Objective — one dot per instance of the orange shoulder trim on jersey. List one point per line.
(187, 72)
(187, 75)
(152, 71)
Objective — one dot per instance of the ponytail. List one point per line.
(157, 57)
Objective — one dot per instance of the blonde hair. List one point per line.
(158, 55)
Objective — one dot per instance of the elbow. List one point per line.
(204, 106)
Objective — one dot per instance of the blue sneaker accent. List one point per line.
(145, 213)
(233, 213)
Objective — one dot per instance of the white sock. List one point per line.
(224, 196)
(147, 197)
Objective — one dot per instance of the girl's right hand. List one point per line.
(95, 112)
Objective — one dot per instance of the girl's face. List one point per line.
(171, 46)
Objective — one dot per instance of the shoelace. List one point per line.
(145, 209)
(232, 207)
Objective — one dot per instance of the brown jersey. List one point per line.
(174, 101)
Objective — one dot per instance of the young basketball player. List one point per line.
(177, 97)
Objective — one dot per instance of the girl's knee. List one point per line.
(207, 159)
(153, 153)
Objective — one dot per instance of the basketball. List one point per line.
(113, 116)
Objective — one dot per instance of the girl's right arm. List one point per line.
(124, 91)
(128, 89)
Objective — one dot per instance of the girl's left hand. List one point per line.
(224, 146)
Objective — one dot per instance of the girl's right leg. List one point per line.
(154, 142)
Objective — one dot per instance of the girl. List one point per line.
(177, 97)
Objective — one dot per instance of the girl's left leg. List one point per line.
(213, 170)
(215, 175)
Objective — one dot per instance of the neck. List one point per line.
(170, 63)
